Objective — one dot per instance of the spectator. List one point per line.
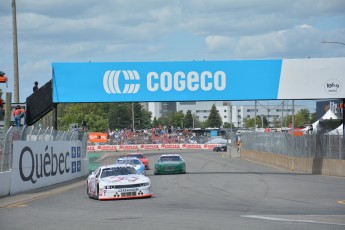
(35, 88)
(238, 140)
(18, 114)
(310, 129)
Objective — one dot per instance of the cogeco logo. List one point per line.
(165, 81)
(192, 81)
(111, 81)
(332, 86)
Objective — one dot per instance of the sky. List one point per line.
(160, 30)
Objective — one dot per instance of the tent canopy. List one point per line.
(328, 115)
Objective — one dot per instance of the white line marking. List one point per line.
(305, 220)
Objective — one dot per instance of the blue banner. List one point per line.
(166, 81)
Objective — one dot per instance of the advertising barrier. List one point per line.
(199, 80)
(42, 163)
(143, 147)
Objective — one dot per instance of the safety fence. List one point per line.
(316, 146)
(33, 133)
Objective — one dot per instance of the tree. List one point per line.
(300, 120)
(189, 120)
(305, 114)
(287, 120)
(312, 118)
(228, 125)
(214, 119)
(77, 112)
(155, 122)
(119, 115)
(248, 122)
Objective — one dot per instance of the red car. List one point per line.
(141, 157)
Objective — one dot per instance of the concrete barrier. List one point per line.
(5, 180)
(330, 167)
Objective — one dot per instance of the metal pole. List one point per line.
(55, 116)
(255, 116)
(133, 116)
(293, 117)
(281, 123)
(15, 53)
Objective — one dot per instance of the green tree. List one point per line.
(300, 120)
(305, 114)
(155, 122)
(214, 119)
(228, 125)
(313, 118)
(119, 115)
(75, 113)
(189, 120)
(248, 122)
(287, 120)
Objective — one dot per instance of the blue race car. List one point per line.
(134, 161)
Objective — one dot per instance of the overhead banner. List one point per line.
(199, 80)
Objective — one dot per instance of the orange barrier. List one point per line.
(98, 137)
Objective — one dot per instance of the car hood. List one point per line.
(125, 179)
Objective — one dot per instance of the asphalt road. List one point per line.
(216, 193)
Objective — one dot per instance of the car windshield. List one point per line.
(130, 162)
(136, 155)
(170, 158)
(117, 171)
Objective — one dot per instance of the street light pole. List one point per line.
(15, 53)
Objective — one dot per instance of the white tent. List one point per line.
(337, 131)
(328, 115)
(218, 141)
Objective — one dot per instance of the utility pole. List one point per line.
(133, 116)
(15, 53)
(255, 116)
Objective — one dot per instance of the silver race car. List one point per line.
(118, 181)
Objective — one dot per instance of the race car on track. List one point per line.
(170, 164)
(118, 181)
(135, 162)
(222, 148)
(141, 157)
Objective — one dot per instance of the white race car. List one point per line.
(118, 181)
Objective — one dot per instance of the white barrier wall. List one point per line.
(42, 163)
(96, 148)
(5, 178)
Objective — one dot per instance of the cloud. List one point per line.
(159, 30)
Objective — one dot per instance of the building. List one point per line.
(228, 112)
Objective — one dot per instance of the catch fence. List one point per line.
(318, 146)
(32, 133)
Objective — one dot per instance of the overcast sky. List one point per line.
(162, 30)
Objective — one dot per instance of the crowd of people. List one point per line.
(157, 135)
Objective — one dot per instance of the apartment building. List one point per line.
(227, 111)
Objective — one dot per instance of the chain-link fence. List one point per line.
(316, 146)
(32, 133)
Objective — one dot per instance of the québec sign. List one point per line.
(42, 163)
